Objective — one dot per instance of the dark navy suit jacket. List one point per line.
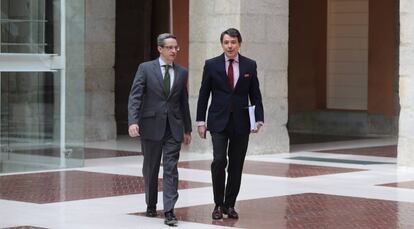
(225, 100)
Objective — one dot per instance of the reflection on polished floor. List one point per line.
(339, 184)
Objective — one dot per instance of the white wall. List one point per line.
(406, 90)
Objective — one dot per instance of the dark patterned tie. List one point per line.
(167, 80)
(230, 74)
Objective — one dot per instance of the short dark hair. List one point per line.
(232, 32)
(163, 36)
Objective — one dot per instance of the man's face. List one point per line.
(168, 52)
(230, 46)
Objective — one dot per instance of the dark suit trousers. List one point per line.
(227, 143)
(169, 148)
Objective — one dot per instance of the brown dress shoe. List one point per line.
(217, 213)
(231, 213)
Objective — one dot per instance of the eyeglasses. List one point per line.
(170, 48)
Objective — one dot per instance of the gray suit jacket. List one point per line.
(150, 108)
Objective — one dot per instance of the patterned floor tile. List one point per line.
(308, 210)
(24, 227)
(379, 151)
(52, 187)
(79, 153)
(407, 184)
(273, 169)
(338, 160)
(304, 138)
(91, 153)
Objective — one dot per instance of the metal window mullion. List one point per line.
(21, 62)
(1, 45)
(1, 40)
(21, 20)
(43, 9)
(27, 44)
(1, 139)
(31, 25)
(63, 83)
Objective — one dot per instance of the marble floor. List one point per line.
(337, 184)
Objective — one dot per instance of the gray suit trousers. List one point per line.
(169, 149)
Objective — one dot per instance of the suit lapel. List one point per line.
(157, 71)
(242, 70)
(176, 78)
(223, 71)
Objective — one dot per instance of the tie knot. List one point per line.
(167, 66)
(231, 60)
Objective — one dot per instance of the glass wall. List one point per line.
(42, 85)
(26, 26)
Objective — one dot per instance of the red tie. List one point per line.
(230, 74)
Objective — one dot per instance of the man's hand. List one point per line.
(133, 130)
(202, 131)
(187, 138)
(258, 126)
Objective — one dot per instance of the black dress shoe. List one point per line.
(231, 213)
(170, 218)
(217, 213)
(151, 212)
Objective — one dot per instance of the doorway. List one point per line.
(138, 23)
(325, 37)
(136, 27)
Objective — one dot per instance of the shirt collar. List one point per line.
(163, 63)
(236, 59)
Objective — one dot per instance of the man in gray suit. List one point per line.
(158, 111)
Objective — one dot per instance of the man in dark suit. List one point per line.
(158, 111)
(232, 81)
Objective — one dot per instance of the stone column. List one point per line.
(75, 73)
(99, 71)
(406, 84)
(264, 28)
